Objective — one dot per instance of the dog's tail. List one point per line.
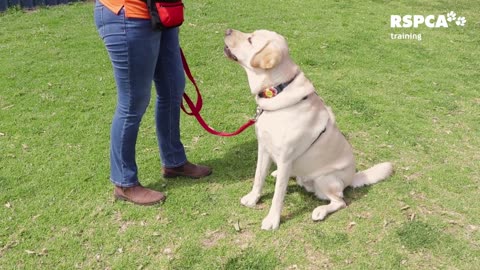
(372, 175)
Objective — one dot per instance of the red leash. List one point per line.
(196, 108)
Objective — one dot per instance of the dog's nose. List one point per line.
(228, 32)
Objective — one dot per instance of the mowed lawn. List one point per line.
(414, 103)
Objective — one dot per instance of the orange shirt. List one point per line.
(133, 8)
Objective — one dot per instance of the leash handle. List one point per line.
(197, 107)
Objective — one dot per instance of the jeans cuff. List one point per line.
(125, 185)
(175, 165)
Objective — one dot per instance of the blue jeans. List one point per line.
(139, 56)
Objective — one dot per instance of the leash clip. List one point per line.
(258, 112)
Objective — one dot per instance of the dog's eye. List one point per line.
(249, 40)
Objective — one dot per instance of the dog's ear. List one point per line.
(266, 58)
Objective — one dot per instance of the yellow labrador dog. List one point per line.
(295, 129)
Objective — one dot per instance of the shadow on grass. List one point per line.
(237, 164)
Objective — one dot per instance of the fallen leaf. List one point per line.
(8, 246)
(351, 225)
(8, 205)
(236, 225)
(386, 223)
(43, 252)
(472, 228)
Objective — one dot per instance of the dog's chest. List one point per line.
(283, 133)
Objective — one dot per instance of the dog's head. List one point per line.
(261, 49)
(263, 54)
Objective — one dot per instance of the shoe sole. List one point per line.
(184, 175)
(121, 198)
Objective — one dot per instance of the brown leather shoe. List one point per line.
(187, 170)
(138, 195)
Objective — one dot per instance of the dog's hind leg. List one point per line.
(306, 183)
(332, 188)
(263, 164)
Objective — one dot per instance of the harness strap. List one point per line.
(197, 107)
(319, 135)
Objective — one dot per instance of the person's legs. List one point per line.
(133, 49)
(169, 81)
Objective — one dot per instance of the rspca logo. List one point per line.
(430, 21)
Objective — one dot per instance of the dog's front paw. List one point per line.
(271, 222)
(319, 213)
(250, 200)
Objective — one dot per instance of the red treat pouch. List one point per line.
(165, 14)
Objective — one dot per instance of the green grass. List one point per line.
(415, 103)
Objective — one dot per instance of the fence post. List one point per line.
(28, 4)
(3, 5)
(31, 4)
(12, 3)
(39, 3)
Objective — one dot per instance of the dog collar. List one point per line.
(275, 90)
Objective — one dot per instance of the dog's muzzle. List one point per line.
(229, 53)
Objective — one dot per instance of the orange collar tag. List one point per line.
(269, 92)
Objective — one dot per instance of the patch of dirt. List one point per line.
(316, 258)
(244, 238)
(122, 224)
(212, 238)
